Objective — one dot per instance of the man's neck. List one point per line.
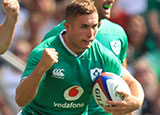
(100, 22)
(68, 45)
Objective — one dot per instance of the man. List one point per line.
(60, 72)
(11, 8)
(111, 35)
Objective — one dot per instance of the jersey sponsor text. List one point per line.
(68, 105)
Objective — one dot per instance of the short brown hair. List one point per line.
(79, 7)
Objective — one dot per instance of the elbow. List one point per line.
(2, 51)
(139, 104)
(140, 96)
(141, 100)
(19, 101)
(21, 98)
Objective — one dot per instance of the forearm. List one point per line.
(7, 33)
(136, 89)
(11, 9)
(27, 89)
(124, 64)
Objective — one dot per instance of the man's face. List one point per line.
(104, 8)
(82, 32)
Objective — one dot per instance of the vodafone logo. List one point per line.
(73, 93)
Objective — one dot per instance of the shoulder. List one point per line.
(36, 53)
(113, 27)
(101, 50)
(56, 30)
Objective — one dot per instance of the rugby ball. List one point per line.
(106, 86)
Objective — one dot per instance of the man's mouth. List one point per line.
(87, 40)
(107, 6)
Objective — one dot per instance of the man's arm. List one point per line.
(124, 64)
(28, 87)
(130, 102)
(11, 8)
(135, 87)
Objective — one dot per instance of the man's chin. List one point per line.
(108, 16)
(88, 46)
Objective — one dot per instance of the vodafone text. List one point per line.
(68, 105)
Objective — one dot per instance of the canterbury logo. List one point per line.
(58, 73)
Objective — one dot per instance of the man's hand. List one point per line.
(128, 105)
(49, 57)
(11, 8)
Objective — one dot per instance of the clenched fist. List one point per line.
(49, 57)
(11, 8)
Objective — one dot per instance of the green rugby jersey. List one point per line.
(67, 86)
(110, 35)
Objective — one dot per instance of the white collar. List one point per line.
(68, 49)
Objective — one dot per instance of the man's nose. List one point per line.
(90, 32)
(110, 1)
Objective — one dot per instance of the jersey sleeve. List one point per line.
(113, 65)
(33, 60)
(110, 62)
(56, 30)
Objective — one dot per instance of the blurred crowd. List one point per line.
(139, 18)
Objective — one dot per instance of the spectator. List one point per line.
(154, 19)
(60, 9)
(136, 31)
(40, 21)
(36, 26)
(22, 49)
(145, 74)
(10, 76)
(4, 108)
(153, 57)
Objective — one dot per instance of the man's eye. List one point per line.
(95, 26)
(84, 26)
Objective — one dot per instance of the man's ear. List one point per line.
(67, 25)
